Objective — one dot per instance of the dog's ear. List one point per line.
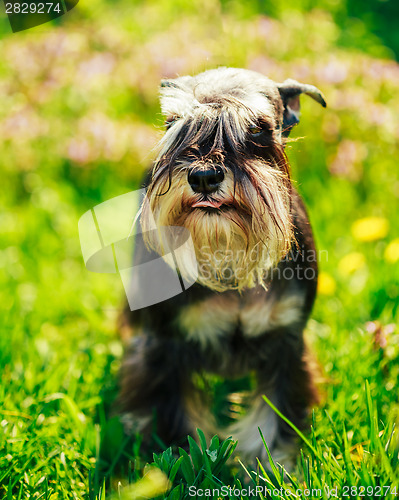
(176, 83)
(168, 83)
(290, 90)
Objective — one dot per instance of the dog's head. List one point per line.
(222, 172)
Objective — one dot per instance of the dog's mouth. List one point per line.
(207, 203)
(211, 205)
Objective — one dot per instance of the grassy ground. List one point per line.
(78, 118)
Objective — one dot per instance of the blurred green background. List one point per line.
(79, 116)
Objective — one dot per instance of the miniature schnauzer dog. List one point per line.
(222, 173)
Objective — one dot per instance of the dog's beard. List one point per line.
(237, 243)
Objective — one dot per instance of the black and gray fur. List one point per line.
(223, 174)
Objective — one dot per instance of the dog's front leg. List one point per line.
(286, 379)
(154, 382)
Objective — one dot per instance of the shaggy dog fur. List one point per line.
(222, 174)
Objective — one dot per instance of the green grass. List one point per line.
(78, 118)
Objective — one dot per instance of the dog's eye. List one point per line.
(170, 121)
(255, 131)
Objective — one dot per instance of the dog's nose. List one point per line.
(205, 180)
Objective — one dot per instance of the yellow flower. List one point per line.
(370, 228)
(326, 284)
(153, 484)
(391, 253)
(351, 263)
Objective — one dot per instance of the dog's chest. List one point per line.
(213, 320)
